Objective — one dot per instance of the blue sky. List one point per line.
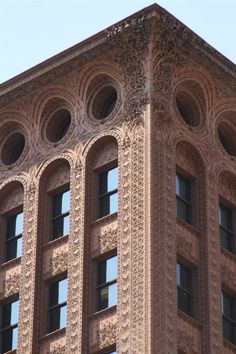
(34, 30)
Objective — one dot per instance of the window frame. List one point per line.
(189, 292)
(49, 309)
(8, 301)
(97, 286)
(53, 194)
(100, 196)
(230, 320)
(187, 203)
(231, 208)
(5, 218)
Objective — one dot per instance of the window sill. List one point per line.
(53, 335)
(107, 311)
(231, 346)
(104, 219)
(188, 226)
(11, 351)
(58, 241)
(11, 263)
(195, 323)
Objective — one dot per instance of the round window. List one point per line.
(227, 138)
(188, 108)
(13, 148)
(58, 125)
(104, 102)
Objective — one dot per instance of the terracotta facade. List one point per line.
(175, 110)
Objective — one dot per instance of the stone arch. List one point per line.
(227, 186)
(45, 96)
(189, 158)
(225, 127)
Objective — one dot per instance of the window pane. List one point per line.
(104, 206)
(66, 221)
(183, 188)
(65, 202)
(184, 301)
(225, 217)
(11, 249)
(14, 312)
(107, 270)
(184, 211)
(10, 314)
(19, 247)
(57, 318)
(14, 337)
(112, 297)
(63, 316)
(60, 226)
(107, 296)
(113, 203)
(62, 291)
(112, 179)
(228, 330)
(53, 294)
(102, 298)
(111, 273)
(8, 340)
(226, 239)
(54, 319)
(57, 201)
(19, 224)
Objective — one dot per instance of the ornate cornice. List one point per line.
(169, 30)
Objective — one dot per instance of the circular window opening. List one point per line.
(13, 148)
(104, 102)
(227, 138)
(188, 108)
(58, 125)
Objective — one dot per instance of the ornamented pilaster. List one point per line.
(76, 254)
(131, 307)
(28, 266)
(163, 242)
(212, 244)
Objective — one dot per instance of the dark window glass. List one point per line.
(60, 214)
(184, 288)
(107, 283)
(14, 236)
(9, 325)
(108, 192)
(228, 308)
(226, 227)
(57, 298)
(183, 198)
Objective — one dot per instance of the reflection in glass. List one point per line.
(57, 305)
(61, 219)
(14, 236)
(107, 283)
(108, 192)
(9, 325)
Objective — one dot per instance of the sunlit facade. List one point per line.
(118, 196)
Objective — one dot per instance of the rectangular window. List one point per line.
(226, 227)
(14, 229)
(183, 198)
(57, 300)
(184, 288)
(106, 283)
(108, 192)
(60, 214)
(9, 325)
(228, 308)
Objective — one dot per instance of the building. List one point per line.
(118, 196)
